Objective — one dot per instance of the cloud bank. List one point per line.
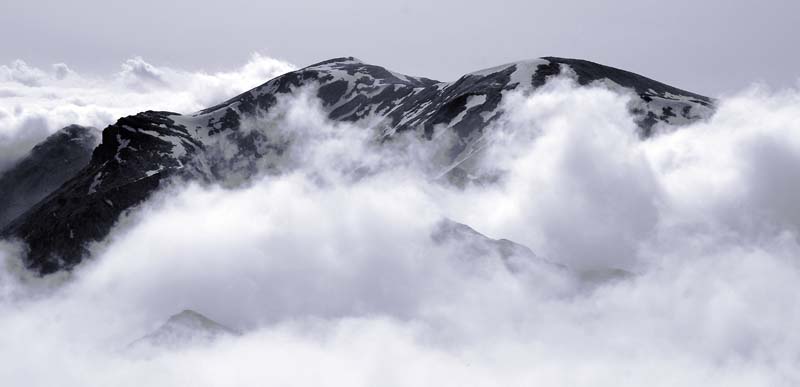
(329, 268)
(36, 102)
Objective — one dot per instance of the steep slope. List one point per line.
(49, 164)
(139, 152)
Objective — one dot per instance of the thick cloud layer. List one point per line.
(35, 102)
(330, 270)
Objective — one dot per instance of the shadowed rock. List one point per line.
(48, 165)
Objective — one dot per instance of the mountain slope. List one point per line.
(138, 153)
(48, 165)
(182, 330)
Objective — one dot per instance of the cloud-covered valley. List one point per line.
(334, 269)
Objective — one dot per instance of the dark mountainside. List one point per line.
(51, 163)
(140, 153)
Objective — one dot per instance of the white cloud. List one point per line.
(20, 72)
(335, 280)
(62, 71)
(140, 75)
(35, 103)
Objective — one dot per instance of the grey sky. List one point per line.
(710, 47)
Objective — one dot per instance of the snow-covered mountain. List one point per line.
(138, 153)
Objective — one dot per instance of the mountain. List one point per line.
(141, 152)
(183, 330)
(474, 244)
(51, 163)
(467, 242)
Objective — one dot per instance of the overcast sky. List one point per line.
(710, 47)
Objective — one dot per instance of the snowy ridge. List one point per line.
(138, 152)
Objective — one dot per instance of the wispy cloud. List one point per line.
(334, 278)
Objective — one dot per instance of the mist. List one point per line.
(327, 265)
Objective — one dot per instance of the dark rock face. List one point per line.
(136, 153)
(139, 152)
(659, 101)
(44, 169)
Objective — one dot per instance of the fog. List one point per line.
(328, 267)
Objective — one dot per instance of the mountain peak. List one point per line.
(342, 60)
(138, 152)
(184, 329)
(188, 317)
(588, 72)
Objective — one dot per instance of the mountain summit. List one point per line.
(140, 152)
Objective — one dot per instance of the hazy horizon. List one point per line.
(711, 48)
